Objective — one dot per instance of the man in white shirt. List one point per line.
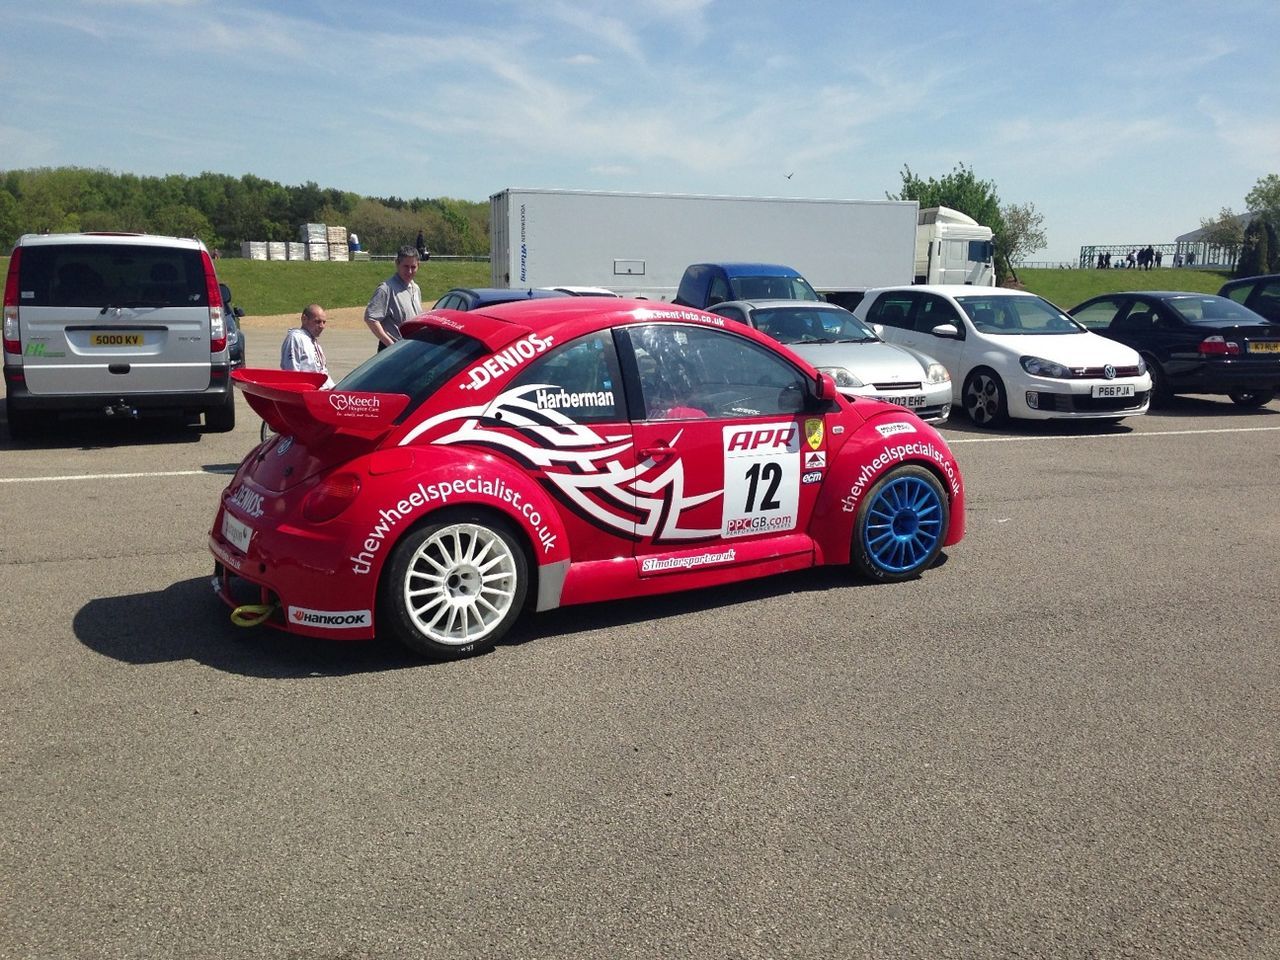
(301, 348)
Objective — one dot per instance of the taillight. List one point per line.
(1219, 347)
(12, 332)
(330, 497)
(217, 322)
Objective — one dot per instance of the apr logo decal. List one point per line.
(813, 433)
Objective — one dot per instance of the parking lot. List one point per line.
(1060, 743)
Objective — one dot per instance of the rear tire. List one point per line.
(222, 419)
(24, 424)
(454, 587)
(1252, 398)
(900, 526)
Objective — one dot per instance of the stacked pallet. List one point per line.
(337, 235)
(253, 249)
(339, 251)
(277, 250)
(296, 251)
(317, 251)
(313, 233)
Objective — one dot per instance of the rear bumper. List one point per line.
(212, 397)
(1224, 378)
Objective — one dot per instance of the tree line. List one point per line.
(1259, 241)
(223, 210)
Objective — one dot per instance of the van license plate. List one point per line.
(115, 340)
(1113, 390)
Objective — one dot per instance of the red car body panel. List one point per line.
(623, 508)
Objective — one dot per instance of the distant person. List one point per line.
(353, 243)
(1131, 260)
(301, 348)
(396, 300)
(1190, 258)
(1159, 257)
(420, 244)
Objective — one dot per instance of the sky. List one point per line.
(1121, 122)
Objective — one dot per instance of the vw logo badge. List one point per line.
(283, 446)
(1109, 372)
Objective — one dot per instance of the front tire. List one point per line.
(453, 588)
(1161, 396)
(984, 399)
(899, 528)
(1252, 398)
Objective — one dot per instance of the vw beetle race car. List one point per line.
(552, 452)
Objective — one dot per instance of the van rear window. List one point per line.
(115, 275)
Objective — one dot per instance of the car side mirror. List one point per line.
(238, 311)
(824, 388)
(879, 329)
(948, 330)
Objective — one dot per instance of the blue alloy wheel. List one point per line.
(900, 525)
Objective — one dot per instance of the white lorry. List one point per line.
(639, 244)
(953, 248)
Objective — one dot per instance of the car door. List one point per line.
(718, 421)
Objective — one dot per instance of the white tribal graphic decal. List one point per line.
(602, 488)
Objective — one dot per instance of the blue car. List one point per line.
(470, 298)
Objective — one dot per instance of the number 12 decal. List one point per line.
(771, 473)
(762, 478)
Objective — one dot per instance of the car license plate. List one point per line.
(238, 534)
(910, 402)
(1113, 390)
(1264, 346)
(115, 340)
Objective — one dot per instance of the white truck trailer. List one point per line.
(638, 244)
(952, 247)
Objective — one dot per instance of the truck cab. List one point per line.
(952, 247)
(706, 284)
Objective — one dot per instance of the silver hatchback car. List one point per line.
(117, 325)
(863, 365)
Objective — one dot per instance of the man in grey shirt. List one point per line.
(396, 300)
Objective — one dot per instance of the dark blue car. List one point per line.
(469, 298)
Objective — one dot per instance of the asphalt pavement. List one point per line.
(1060, 743)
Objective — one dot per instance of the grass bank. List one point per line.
(270, 287)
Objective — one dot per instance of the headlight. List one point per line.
(842, 377)
(1142, 366)
(1045, 368)
(936, 373)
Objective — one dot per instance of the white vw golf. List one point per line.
(1012, 354)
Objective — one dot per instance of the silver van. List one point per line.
(116, 325)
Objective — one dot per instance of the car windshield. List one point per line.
(772, 288)
(1016, 316)
(807, 325)
(1213, 310)
(417, 366)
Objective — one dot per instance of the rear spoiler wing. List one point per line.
(292, 403)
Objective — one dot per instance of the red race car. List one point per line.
(552, 452)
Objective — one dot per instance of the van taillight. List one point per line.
(12, 333)
(217, 322)
(1219, 347)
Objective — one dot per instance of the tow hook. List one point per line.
(121, 409)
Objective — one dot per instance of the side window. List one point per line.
(691, 372)
(892, 310)
(580, 380)
(733, 313)
(719, 291)
(1241, 293)
(1266, 300)
(931, 311)
(1098, 316)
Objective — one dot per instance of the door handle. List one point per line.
(659, 452)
